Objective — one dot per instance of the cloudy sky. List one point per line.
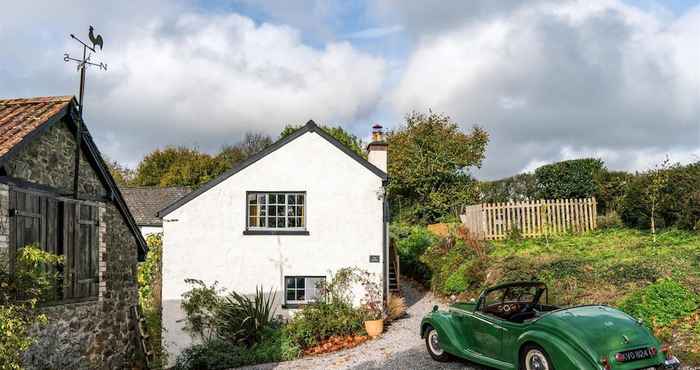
(549, 80)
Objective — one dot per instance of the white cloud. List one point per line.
(189, 77)
(598, 77)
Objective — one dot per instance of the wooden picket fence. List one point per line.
(532, 218)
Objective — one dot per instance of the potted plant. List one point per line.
(372, 306)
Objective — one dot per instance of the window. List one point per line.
(60, 226)
(274, 211)
(302, 289)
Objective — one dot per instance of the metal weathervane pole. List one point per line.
(82, 63)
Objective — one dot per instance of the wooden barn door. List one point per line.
(81, 250)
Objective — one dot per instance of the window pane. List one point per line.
(291, 211)
(280, 210)
(281, 222)
(300, 295)
(291, 199)
(272, 221)
(291, 294)
(262, 199)
(292, 222)
(253, 211)
(300, 222)
(252, 198)
(272, 210)
(262, 222)
(300, 199)
(300, 282)
(290, 283)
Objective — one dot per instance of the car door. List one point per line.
(487, 332)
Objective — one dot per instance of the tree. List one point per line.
(122, 175)
(349, 140)
(177, 166)
(252, 143)
(428, 162)
(654, 192)
(568, 179)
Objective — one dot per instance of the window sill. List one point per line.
(294, 306)
(275, 232)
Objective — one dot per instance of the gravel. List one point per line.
(400, 347)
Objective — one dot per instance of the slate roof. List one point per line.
(310, 126)
(20, 117)
(145, 202)
(23, 120)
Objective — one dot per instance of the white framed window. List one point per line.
(276, 210)
(302, 289)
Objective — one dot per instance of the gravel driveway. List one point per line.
(400, 347)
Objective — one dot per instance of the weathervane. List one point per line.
(82, 63)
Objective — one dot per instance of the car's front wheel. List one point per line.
(535, 358)
(432, 342)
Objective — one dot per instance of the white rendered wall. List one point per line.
(203, 239)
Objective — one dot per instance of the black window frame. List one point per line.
(276, 230)
(297, 303)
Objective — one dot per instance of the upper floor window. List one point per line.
(276, 210)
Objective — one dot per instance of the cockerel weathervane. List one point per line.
(82, 63)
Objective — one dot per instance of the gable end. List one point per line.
(309, 127)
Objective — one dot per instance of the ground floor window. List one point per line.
(302, 289)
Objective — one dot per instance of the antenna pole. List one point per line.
(82, 64)
(79, 125)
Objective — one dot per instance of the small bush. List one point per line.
(661, 303)
(240, 319)
(411, 243)
(218, 354)
(395, 307)
(610, 220)
(454, 258)
(332, 315)
(200, 305)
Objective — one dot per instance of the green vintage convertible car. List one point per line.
(512, 326)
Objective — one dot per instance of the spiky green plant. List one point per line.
(241, 319)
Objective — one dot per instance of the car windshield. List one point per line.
(514, 293)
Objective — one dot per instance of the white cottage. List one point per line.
(286, 217)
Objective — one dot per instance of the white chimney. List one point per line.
(377, 149)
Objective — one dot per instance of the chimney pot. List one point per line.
(377, 149)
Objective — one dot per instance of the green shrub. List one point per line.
(568, 179)
(411, 243)
(610, 220)
(200, 305)
(32, 282)
(678, 204)
(661, 303)
(515, 188)
(219, 354)
(319, 321)
(458, 281)
(611, 187)
(456, 252)
(242, 320)
(332, 315)
(149, 278)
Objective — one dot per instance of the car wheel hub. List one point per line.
(434, 343)
(535, 360)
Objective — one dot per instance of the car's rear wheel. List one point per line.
(432, 342)
(533, 357)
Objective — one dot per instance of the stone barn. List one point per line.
(91, 325)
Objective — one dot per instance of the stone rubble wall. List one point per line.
(95, 334)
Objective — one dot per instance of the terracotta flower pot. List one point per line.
(374, 327)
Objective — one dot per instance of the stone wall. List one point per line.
(95, 334)
(4, 228)
(49, 160)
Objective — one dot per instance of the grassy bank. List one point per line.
(659, 282)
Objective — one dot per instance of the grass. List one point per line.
(619, 267)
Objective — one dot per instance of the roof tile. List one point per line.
(19, 117)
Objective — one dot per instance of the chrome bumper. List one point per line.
(671, 363)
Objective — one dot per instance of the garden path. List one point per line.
(400, 347)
